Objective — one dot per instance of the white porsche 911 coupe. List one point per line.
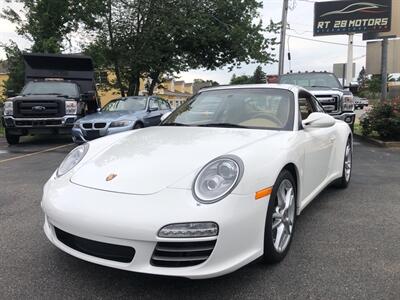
(217, 185)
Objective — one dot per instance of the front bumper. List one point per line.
(134, 221)
(348, 117)
(81, 135)
(24, 126)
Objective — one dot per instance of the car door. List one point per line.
(318, 146)
(154, 113)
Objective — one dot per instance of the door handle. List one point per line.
(332, 139)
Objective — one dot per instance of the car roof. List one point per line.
(289, 87)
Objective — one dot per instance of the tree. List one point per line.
(158, 38)
(16, 69)
(362, 78)
(243, 79)
(259, 76)
(47, 23)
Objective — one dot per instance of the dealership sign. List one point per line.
(349, 16)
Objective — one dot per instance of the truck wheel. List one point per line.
(12, 139)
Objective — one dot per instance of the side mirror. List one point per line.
(98, 109)
(89, 96)
(11, 93)
(166, 115)
(318, 120)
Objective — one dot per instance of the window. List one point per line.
(126, 104)
(306, 105)
(153, 104)
(247, 108)
(164, 105)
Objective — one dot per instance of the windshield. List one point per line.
(307, 80)
(51, 88)
(124, 104)
(241, 108)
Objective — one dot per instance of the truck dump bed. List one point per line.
(75, 68)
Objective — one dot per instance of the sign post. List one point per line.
(349, 67)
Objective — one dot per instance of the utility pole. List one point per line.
(283, 37)
(349, 67)
(384, 62)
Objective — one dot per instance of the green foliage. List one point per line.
(16, 69)
(362, 78)
(152, 39)
(259, 76)
(47, 23)
(384, 119)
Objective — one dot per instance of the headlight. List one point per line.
(217, 179)
(348, 103)
(8, 108)
(120, 123)
(77, 125)
(72, 159)
(71, 107)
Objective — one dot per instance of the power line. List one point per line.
(326, 42)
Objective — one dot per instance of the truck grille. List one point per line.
(181, 254)
(330, 103)
(39, 109)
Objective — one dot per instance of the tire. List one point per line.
(343, 182)
(12, 139)
(275, 250)
(138, 125)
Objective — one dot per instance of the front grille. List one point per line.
(181, 254)
(329, 102)
(92, 134)
(87, 125)
(99, 125)
(39, 109)
(112, 252)
(38, 123)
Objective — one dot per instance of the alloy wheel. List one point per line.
(347, 162)
(283, 216)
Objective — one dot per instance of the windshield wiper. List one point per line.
(323, 86)
(227, 125)
(174, 124)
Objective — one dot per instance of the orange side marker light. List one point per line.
(263, 193)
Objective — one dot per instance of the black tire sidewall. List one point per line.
(12, 139)
(270, 253)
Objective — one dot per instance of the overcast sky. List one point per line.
(306, 54)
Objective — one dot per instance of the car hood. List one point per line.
(108, 116)
(149, 160)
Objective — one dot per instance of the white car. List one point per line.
(204, 193)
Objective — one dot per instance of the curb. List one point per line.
(377, 142)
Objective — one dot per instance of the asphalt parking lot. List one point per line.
(346, 245)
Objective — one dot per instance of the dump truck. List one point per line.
(59, 89)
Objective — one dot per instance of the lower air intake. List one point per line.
(112, 252)
(181, 254)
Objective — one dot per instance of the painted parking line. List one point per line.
(34, 153)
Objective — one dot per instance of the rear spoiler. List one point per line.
(75, 68)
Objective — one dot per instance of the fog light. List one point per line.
(348, 119)
(189, 230)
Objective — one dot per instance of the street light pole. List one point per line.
(384, 63)
(283, 37)
(349, 67)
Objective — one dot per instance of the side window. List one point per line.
(164, 105)
(317, 105)
(153, 104)
(306, 106)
